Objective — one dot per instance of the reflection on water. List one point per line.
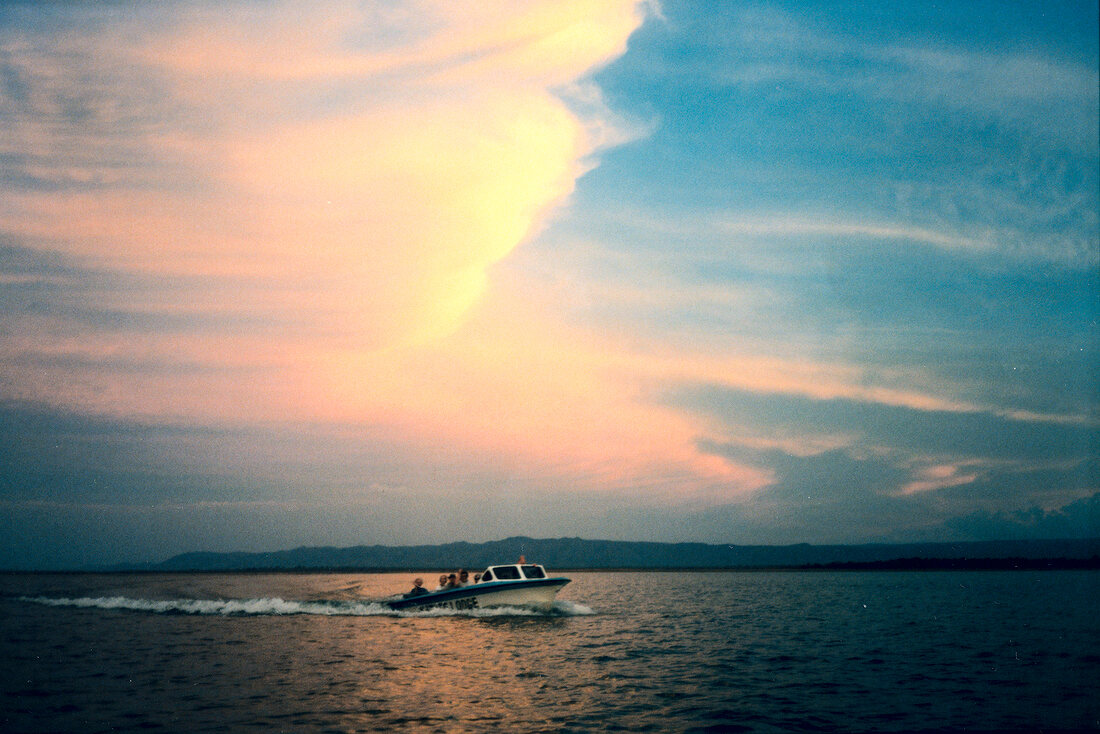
(635, 651)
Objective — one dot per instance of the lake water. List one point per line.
(663, 652)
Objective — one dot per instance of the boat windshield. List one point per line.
(534, 572)
(506, 573)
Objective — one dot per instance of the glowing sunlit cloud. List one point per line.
(939, 476)
(369, 223)
(358, 242)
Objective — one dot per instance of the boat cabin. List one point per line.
(514, 572)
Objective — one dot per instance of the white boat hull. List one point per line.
(523, 593)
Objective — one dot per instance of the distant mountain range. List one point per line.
(577, 553)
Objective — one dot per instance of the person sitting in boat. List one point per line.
(477, 578)
(417, 589)
(442, 582)
(463, 577)
(452, 581)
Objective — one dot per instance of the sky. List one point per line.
(282, 274)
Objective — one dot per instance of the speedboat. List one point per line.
(511, 585)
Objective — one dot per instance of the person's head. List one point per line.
(463, 576)
(443, 578)
(418, 582)
(451, 578)
(477, 577)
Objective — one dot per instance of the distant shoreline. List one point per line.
(897, 564)
(613, 555)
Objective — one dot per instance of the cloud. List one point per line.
(924, 431)
(1079, 519)
(349, 189)
(309, 235)
(850, 495)
(867, 469)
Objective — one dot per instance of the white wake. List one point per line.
(276, 606)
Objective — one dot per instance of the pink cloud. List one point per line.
(320, 205)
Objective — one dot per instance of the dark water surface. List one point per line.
(737, 651)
